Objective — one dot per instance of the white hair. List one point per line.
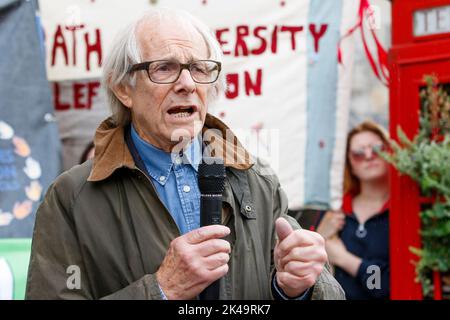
(125, 52)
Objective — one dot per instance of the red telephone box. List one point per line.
(420, 45)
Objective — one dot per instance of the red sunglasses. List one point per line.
(360, 154)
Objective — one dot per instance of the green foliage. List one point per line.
(426, 159)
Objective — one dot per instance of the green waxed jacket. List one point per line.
(105, 218)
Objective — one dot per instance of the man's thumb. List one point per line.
(283, 228)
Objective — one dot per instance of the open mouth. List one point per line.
(182, 111)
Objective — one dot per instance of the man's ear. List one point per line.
(123, 93)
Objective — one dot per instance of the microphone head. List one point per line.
(211, 176)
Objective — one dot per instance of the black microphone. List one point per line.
(211, 179)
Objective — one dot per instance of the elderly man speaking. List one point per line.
(127, 224)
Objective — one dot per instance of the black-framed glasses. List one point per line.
(168, 71)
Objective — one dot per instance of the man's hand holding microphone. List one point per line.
(194, 261)
(200, 257)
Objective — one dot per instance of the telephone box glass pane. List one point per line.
(432, 21)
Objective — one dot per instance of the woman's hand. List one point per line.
(335, 249)
(339, 256)
(331, 224)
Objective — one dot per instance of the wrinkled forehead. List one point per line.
(168, 37)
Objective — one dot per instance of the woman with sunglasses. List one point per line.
(357, 237)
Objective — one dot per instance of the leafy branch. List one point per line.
(426, 159)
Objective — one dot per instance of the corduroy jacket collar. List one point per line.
(112, 153)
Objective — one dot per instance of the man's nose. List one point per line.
(185, 83)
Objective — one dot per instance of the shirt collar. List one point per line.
(112, 152)
(193, 153)
(347, 204)
(159, 163)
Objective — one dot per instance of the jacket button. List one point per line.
(248, 208)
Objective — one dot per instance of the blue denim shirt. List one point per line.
(175, 179)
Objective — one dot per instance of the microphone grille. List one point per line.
(211, 176)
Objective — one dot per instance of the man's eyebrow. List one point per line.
(173, 58)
